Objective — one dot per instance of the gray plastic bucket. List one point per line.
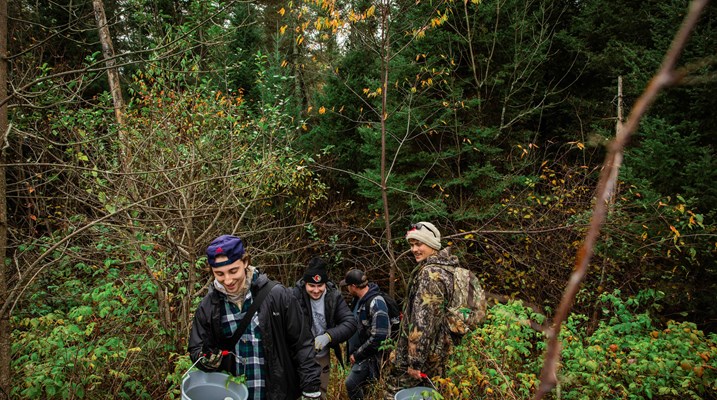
(416, 393)
(200, 385)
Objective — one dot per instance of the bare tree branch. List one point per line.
(666, 76)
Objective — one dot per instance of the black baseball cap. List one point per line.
(354, 277)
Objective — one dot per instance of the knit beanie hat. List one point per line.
(425, 232)
(316, 272)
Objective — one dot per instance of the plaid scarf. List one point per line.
(250, 360)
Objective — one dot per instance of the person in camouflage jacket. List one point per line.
(425, 341)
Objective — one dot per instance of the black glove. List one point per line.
(212, 360)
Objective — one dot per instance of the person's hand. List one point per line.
(415, 373)
(322, 341)
(352, 359)
(212, 360)
(310, 395)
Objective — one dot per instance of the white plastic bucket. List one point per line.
(200, 385)
(416, 393)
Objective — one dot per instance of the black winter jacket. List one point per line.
(288, 346)
(340, 321)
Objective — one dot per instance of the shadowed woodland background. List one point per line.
(135, 131)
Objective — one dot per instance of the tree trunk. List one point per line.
(108, 53)
(386, 59)
(4, 132)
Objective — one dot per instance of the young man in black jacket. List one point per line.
(327, 313)
(275, 352)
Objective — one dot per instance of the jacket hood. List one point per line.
(373, 290)
(443, 257)
(260, 280)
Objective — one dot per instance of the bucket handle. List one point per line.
(224, 353)
(424, 376)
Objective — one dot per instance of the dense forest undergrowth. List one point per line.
(326, 128)
(628, 354)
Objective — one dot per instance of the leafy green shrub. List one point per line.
(629, 357)
(496, 357)
(182, 365)
(98, 347)
(626, 356)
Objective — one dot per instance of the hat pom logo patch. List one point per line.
(317, 278)
(219, 250)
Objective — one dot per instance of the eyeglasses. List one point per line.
(419, 226)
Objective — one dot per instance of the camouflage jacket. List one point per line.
(426, 340)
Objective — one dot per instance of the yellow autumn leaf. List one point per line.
(282, 11)
(282, 29)
(322, 110)
(675, 231)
